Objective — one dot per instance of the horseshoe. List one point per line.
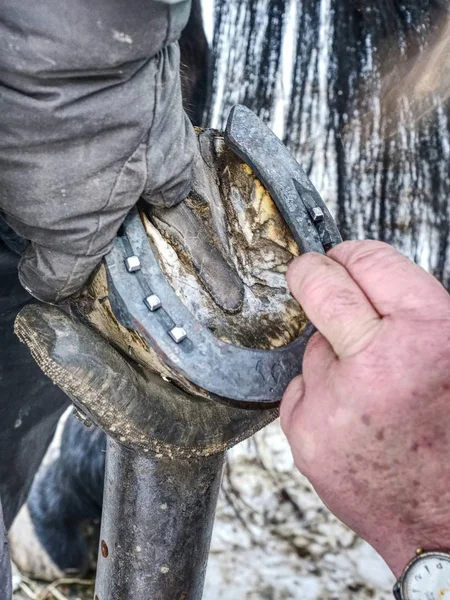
(142, 298)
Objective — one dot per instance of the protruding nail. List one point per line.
(153, 302)
(178, 334)
(132, 264)
(317, 214)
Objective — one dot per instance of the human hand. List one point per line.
(369, 419)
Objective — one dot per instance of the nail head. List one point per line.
(153, 302)
(133, 264)
(317, 214)
(178, 334)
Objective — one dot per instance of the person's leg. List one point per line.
(30, 404)
(5, 570)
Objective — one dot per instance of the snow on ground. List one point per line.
(273, 539)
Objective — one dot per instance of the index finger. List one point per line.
(333, 302)
(392, 282)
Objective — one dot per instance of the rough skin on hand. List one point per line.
(369, 420)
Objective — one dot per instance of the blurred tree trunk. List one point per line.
(334, 78)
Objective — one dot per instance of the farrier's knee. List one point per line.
(59, 38)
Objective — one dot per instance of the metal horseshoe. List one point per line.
(142, 298)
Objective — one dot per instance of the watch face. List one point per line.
(428, 578)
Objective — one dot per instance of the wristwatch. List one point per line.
(426, 577)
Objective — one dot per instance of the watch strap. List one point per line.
(397, 591)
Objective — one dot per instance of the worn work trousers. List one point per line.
(91, 121)
(30, 407)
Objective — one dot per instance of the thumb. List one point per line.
(292, 400)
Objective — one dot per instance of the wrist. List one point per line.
(398, 556)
